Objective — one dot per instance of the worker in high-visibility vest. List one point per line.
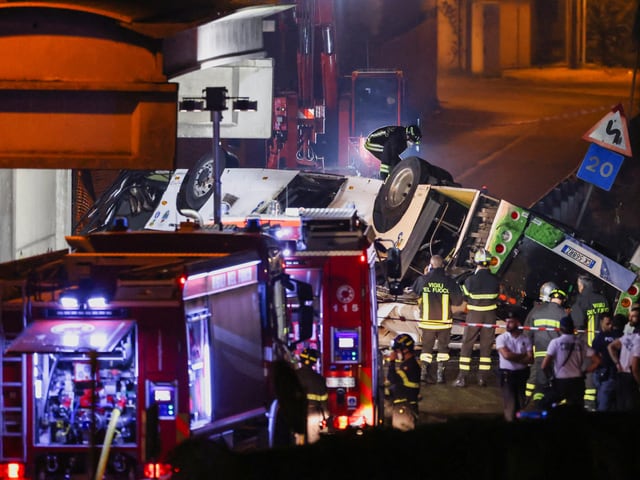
(387, 143)
(481, 291)
(585, 313)
(545, 322)
(437, 293)
(315, 388)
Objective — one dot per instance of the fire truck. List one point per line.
(117, 351)
(333, 250)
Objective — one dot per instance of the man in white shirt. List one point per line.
(567, 354)
(625, 353)
(516, 354)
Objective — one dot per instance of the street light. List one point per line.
(214, 99)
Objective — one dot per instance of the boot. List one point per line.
(482, 381)
(424, 372)
(461, 381)
(440, 373)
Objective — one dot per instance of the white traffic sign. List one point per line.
(611, 132)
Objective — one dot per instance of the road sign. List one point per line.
(611, 132)
(600, 167)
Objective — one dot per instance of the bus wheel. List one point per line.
(197, 186)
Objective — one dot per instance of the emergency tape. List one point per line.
(486, 325)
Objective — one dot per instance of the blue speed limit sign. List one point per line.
(600, 167)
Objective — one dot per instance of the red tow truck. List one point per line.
(115, 352)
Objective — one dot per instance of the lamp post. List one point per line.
(215, 101)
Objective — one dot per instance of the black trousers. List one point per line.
(513, 384)
(627, 393)
(571, 390)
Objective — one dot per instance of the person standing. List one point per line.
(544, 324)
(437, 293)
(565, 357)
(516, 354)
(605, 374)
(403, 376)
(387, 143)
(315, 388)
(585, 312)
(481, 292)
(625, 353)
(634, 319)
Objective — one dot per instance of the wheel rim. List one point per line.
(400, 187)
(204, 180)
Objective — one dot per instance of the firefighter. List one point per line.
(481, 292)
(387, 143)
(544, 320)
(437, 292)
(585, 313)
(403, 376)
(315, 388)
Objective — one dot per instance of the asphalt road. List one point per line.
(444, 402)
(521, 134)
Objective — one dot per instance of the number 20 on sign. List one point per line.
(600, 167)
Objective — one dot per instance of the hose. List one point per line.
(108, 439)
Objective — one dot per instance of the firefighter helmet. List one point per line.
(309, 356)
(557, 293)
(545, 290)
(482, 257)
(414, 134)
(402, 341)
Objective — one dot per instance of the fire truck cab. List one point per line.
(115, 353)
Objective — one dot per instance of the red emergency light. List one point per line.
(13, 470)
(156, 470)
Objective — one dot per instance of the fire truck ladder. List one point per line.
(12, 402)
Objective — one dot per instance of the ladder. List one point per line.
(13, 400)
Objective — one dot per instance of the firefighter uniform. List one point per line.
(585, 313)
(387, 143)
(481, 292)
(403, 376)
(437, 292)
(315, 388)
(544, 319)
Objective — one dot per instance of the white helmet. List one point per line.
(545, 291)
(482, 257)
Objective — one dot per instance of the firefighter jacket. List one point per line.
(314, 386)
(481, 291)
(437, 293)
(386, 144)
(544, 320)
(404, 380)
(586, 310)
